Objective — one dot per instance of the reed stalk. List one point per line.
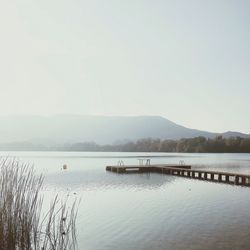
(23, 223)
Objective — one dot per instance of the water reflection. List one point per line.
(104, 180)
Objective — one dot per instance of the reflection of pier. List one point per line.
(185, 171)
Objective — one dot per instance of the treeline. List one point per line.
(190, 145)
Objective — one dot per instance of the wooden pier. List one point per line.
(185, 171)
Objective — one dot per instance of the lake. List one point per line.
(149, 211)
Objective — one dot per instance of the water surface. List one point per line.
(149, 211)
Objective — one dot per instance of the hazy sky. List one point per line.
(188, 61)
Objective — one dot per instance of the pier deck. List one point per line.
(185, 171)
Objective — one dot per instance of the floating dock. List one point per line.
(185, 171)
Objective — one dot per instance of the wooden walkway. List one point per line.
(185, 171)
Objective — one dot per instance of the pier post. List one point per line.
(212, 176)
(219, 177)
(236, 180)
(227, 178)
(248, 182)
(193, 174)
(200, 177)
(243, 180)
(205, 176)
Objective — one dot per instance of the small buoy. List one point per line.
(65, 167)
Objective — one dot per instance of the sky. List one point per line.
(188, 61)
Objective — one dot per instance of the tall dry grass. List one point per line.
(23, 225)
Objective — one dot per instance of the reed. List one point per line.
(23, 225)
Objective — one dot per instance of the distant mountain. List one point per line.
(60, 129)
(235, 134)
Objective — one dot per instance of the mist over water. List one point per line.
(148, 211)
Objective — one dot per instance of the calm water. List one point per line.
(149, 211)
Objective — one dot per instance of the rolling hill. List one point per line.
(60, 129)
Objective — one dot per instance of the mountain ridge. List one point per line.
(59, 129)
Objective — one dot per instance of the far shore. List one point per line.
(146, 145)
